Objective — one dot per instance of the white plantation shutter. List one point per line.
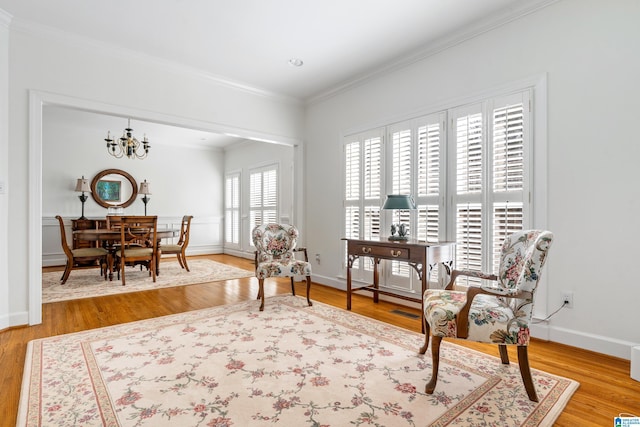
(507, 219)
(509, 124)
(469, 153)
(232, 209)
(429, 171)
(491, 178)
(352, 171)
(401, 163)
(363, 189)
(508, 148)
(429, 159)
(469, 239)
(468, 134)
(263, 197)
(428, 223)
(401, 180)
(372, 166)
(416, 150)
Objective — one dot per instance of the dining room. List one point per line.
(182, 174)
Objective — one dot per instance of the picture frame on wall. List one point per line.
(109, 191)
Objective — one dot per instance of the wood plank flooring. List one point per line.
(606, 388)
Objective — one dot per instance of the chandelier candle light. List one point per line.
(144, 189)
(399, 202)
(128, 146)
(82, 185)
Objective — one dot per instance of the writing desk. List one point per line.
(110, 236)
(421, 256)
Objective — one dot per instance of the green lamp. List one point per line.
(399, 202)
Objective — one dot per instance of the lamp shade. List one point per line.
(399, 201)
(144, 188)
(82, 185)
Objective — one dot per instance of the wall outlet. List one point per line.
(318, 258)
(567, 299)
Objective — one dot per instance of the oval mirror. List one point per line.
(114, 188)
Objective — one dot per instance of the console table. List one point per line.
(421, 256)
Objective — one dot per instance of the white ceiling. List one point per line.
(250, 42)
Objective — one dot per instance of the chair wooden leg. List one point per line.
(504, 355)
(525, 371)
(435, 362)
(427, 332)
(261, 293)
(184, 261)
(180, 260)
(67, 272)
(121, 271)
(308, 290)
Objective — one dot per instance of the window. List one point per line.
(415, 151)
(263, 197)
(491, 152)
(468, 169)
(363, 191)
(232, 209)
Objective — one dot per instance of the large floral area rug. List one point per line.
(88, 282)
(290, 365)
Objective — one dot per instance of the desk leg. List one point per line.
(349, 286)
(350, 259)
(376, 280)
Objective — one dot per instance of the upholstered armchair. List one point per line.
(499, 312)
(274, 256)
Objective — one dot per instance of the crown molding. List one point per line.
(520, 10)
(47, 32)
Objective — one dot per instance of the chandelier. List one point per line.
(128, 145)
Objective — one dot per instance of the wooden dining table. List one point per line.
(108, 237)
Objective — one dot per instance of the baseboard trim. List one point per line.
(13, 320)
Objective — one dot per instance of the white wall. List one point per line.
(588, 50)
(59, 67)
(183, 179)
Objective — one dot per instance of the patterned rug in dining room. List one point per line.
(291, 365)
(86, 283)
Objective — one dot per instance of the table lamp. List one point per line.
(82, 185)
(399, 202)
(144, 189)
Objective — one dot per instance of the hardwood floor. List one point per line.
(606, 389)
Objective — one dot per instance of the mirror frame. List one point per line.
(102, 174)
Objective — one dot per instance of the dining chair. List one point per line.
(133, 230)
(499, 311)
(113, 222)
(274, 256)
(83, 254)
(180, 248)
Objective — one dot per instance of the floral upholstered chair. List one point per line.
(274, 257)
(499, 312)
